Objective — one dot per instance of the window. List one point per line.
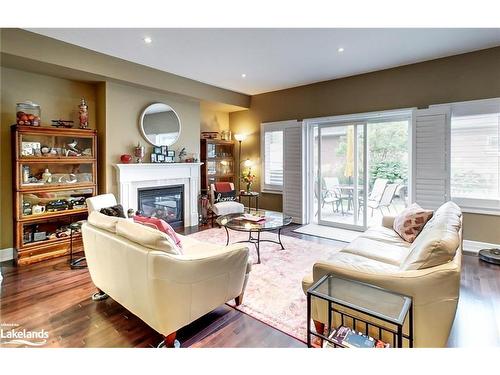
(273, 151)
(273, 160)
(475, 157)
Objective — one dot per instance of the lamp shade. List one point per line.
(240, 137)
(248, 163)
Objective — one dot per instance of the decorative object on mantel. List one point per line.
(209, 135)
(247, 175)
(62, 123)
(161, 154)
(139, 153)
(28, 113)
(182, 154)
(126, 158)
(83, 114)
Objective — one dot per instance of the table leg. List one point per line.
(258, 247)
(279, 239)
(227, 235)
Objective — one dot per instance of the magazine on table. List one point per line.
(251, 217)
(346, 337)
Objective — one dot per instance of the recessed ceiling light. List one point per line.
(340, 49)
(243, 75)
(147, 40)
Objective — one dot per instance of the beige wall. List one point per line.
(469, 76)
(25, 50)
(213, 120)
(58, 98)
(124, 105)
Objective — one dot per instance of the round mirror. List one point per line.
(160, 125)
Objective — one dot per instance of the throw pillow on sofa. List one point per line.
(410, 222)
(160, 225)
(116, 211)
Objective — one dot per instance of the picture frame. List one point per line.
(169, 159)
(153, 158)
(157, 150)
(171, 153)
(164, 150)
(160, 158)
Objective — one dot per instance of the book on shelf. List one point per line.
(348, 338)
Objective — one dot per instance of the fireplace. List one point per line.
(166, 202)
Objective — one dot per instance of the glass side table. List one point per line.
(75, 263)
(345, 296)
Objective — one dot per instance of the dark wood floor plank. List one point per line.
(52, 296)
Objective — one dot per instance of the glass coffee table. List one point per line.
(272, 221)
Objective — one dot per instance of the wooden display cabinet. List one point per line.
(44, 203)
(218, 161)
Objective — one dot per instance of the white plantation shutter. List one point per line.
(293, 177)
(431, 161)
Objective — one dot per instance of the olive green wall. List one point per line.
(468, 76)
(58, 99)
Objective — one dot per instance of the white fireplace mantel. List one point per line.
(131, 177)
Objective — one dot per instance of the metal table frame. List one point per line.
(397, 332)
(256, 241)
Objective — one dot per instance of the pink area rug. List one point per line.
(274, 291)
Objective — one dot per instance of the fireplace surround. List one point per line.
(131, 178)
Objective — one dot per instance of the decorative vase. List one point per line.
(126, 158)
(249, 187)
(139, 153)
(83, 114)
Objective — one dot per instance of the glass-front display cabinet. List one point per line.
(55, 171)
(218, 165)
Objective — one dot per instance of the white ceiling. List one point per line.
(274, 59)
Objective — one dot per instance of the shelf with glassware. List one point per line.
(217, 157)
(55, 170)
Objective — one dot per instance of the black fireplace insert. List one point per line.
(165, 203)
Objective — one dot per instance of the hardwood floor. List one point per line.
(52, 296)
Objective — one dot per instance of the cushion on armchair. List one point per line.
(226, 208)
(224, 196)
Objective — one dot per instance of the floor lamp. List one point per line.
(240, 138)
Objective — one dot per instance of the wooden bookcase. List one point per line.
(43, 209)
(218, 161)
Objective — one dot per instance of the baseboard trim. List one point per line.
(6, 254)
(473, 247)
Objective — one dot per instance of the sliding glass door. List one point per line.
(341, 181)
(360, 171)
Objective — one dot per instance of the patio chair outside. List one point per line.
(385, 200)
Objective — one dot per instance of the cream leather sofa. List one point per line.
(136, 266)
(427, 270)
